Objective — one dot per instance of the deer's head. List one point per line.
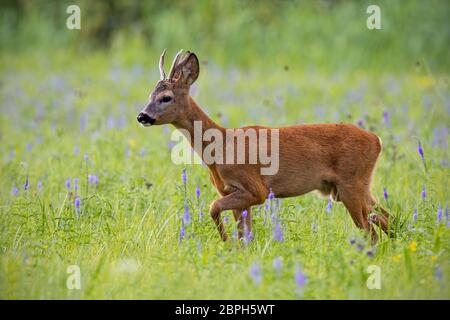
(169, 98)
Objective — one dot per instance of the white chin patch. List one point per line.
(146, 124)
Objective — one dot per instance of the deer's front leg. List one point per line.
(237, 200)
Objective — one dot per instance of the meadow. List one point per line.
(83, 184)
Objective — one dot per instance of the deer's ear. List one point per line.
(188, 69)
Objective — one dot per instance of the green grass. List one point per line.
(126, 240)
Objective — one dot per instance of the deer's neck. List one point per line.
(194, 124)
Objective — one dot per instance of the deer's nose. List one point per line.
(145, 119)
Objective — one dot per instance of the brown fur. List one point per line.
(335, 159)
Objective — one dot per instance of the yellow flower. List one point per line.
(426, 81)
(413, 246)
(132, 143)
(397, 257)
(433, 258)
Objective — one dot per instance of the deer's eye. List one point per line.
(166, 99)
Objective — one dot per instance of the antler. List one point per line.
(174, 63)
(161, 65)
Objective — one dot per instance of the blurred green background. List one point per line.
(296, 34)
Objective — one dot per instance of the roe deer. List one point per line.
(335, 159)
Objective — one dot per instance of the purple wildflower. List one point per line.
(278, 233)
(110, 122)
(300, 278)
(352, 241)
(39, 185)
(225, 219)
(77, 206)
(171, 144)
(75, 184)
(420, 150)
(314, 228)
(122, 121)
(197, 192)
(184, 176)
(422, 156)
(329, 206)
(386, 117)
(93, 179)
(370, 253)
(200, 217)
(182, 233)
(25, 185)
(248, 235)
(360, 123)
(271, 195)
(273, 216)
(15, 191)
(255, 273)
(415, 214)
(385, 194)
(423, 193)
(86, 157)
(277, 264)
(360, 247)
(244, 214)
(83, 121)
(68, 184)
(267, 205)
(440, 137)
(76, 150)
(186, 215)
(439, 215)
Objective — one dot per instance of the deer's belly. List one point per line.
(284, 186)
